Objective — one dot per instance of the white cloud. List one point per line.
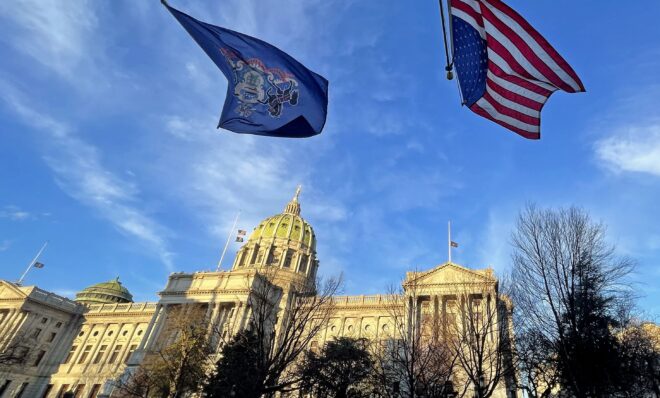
(632, 149)
(80, 173)
(52, 32)
(5, 245)
(14, 213)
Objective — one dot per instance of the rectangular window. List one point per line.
(52, 337)
(44, 320)
(95, 391)
(115, 354)
(70, 355)
(36, 333)
(79, 391)
(131, 349)
(85, 354)
(47, 391)
(63, 389)
(21, 390)
(100, 354)
(4, 387)
(40, 356)
(58, 324)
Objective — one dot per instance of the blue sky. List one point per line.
(108, 146)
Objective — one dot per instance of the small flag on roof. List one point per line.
(38, 265)
(453, 244)
(506, 69)
(241, 232)
(269, 92)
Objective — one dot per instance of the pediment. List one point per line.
(450, 273)
(10, 291)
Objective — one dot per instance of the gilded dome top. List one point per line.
(109, 292)
(287, 225)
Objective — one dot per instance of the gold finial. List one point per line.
(298, 189)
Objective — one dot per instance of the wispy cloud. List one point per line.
(632, 149)
(5, 245)
(53, 33)
(80, 173)
(14, 213)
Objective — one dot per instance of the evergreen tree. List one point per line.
(338, 370)
(237, 372)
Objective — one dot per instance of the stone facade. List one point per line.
(82, 346)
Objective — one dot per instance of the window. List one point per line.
(58, 324)
(95, 391)
(44, 320)
(115, 354)
(36, 333)
(85, 353)
(314, 346)
(303, 267)
(70, 355)
(100, 354)
(40, 356)
(95, 333)
(79, 390)
(21, 390)
(131, 349)
(4, 386)
(287, 259)
(47, 391)
(63, 389)
(52, 337)
(81, 333)
(110, 333)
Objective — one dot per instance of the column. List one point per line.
(147, 332)
(9, 320)
(19, 320)
(158, 327)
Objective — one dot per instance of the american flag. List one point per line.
(506, 69)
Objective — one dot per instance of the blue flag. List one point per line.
(269, 92)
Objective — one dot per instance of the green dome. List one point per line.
(109, 292)
(288, 225)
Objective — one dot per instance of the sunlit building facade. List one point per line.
(52, 344)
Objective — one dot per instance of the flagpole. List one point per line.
(448, 66)
(449, 239)
(222, 256)
(34, 260)
(451, 46)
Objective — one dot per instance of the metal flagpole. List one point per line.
(451, 47)
(233, 227)
(449, 239)
(34, 260)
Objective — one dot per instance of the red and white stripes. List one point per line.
(523, 68)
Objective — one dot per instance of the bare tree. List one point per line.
(286, 313)
(413, 360)
(480, 334)
(567, 282)
(180, 362)
(537, 370)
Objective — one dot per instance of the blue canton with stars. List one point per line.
(470, 60)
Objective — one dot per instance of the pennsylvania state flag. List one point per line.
(269, 92)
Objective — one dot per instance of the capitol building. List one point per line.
(84, 344)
